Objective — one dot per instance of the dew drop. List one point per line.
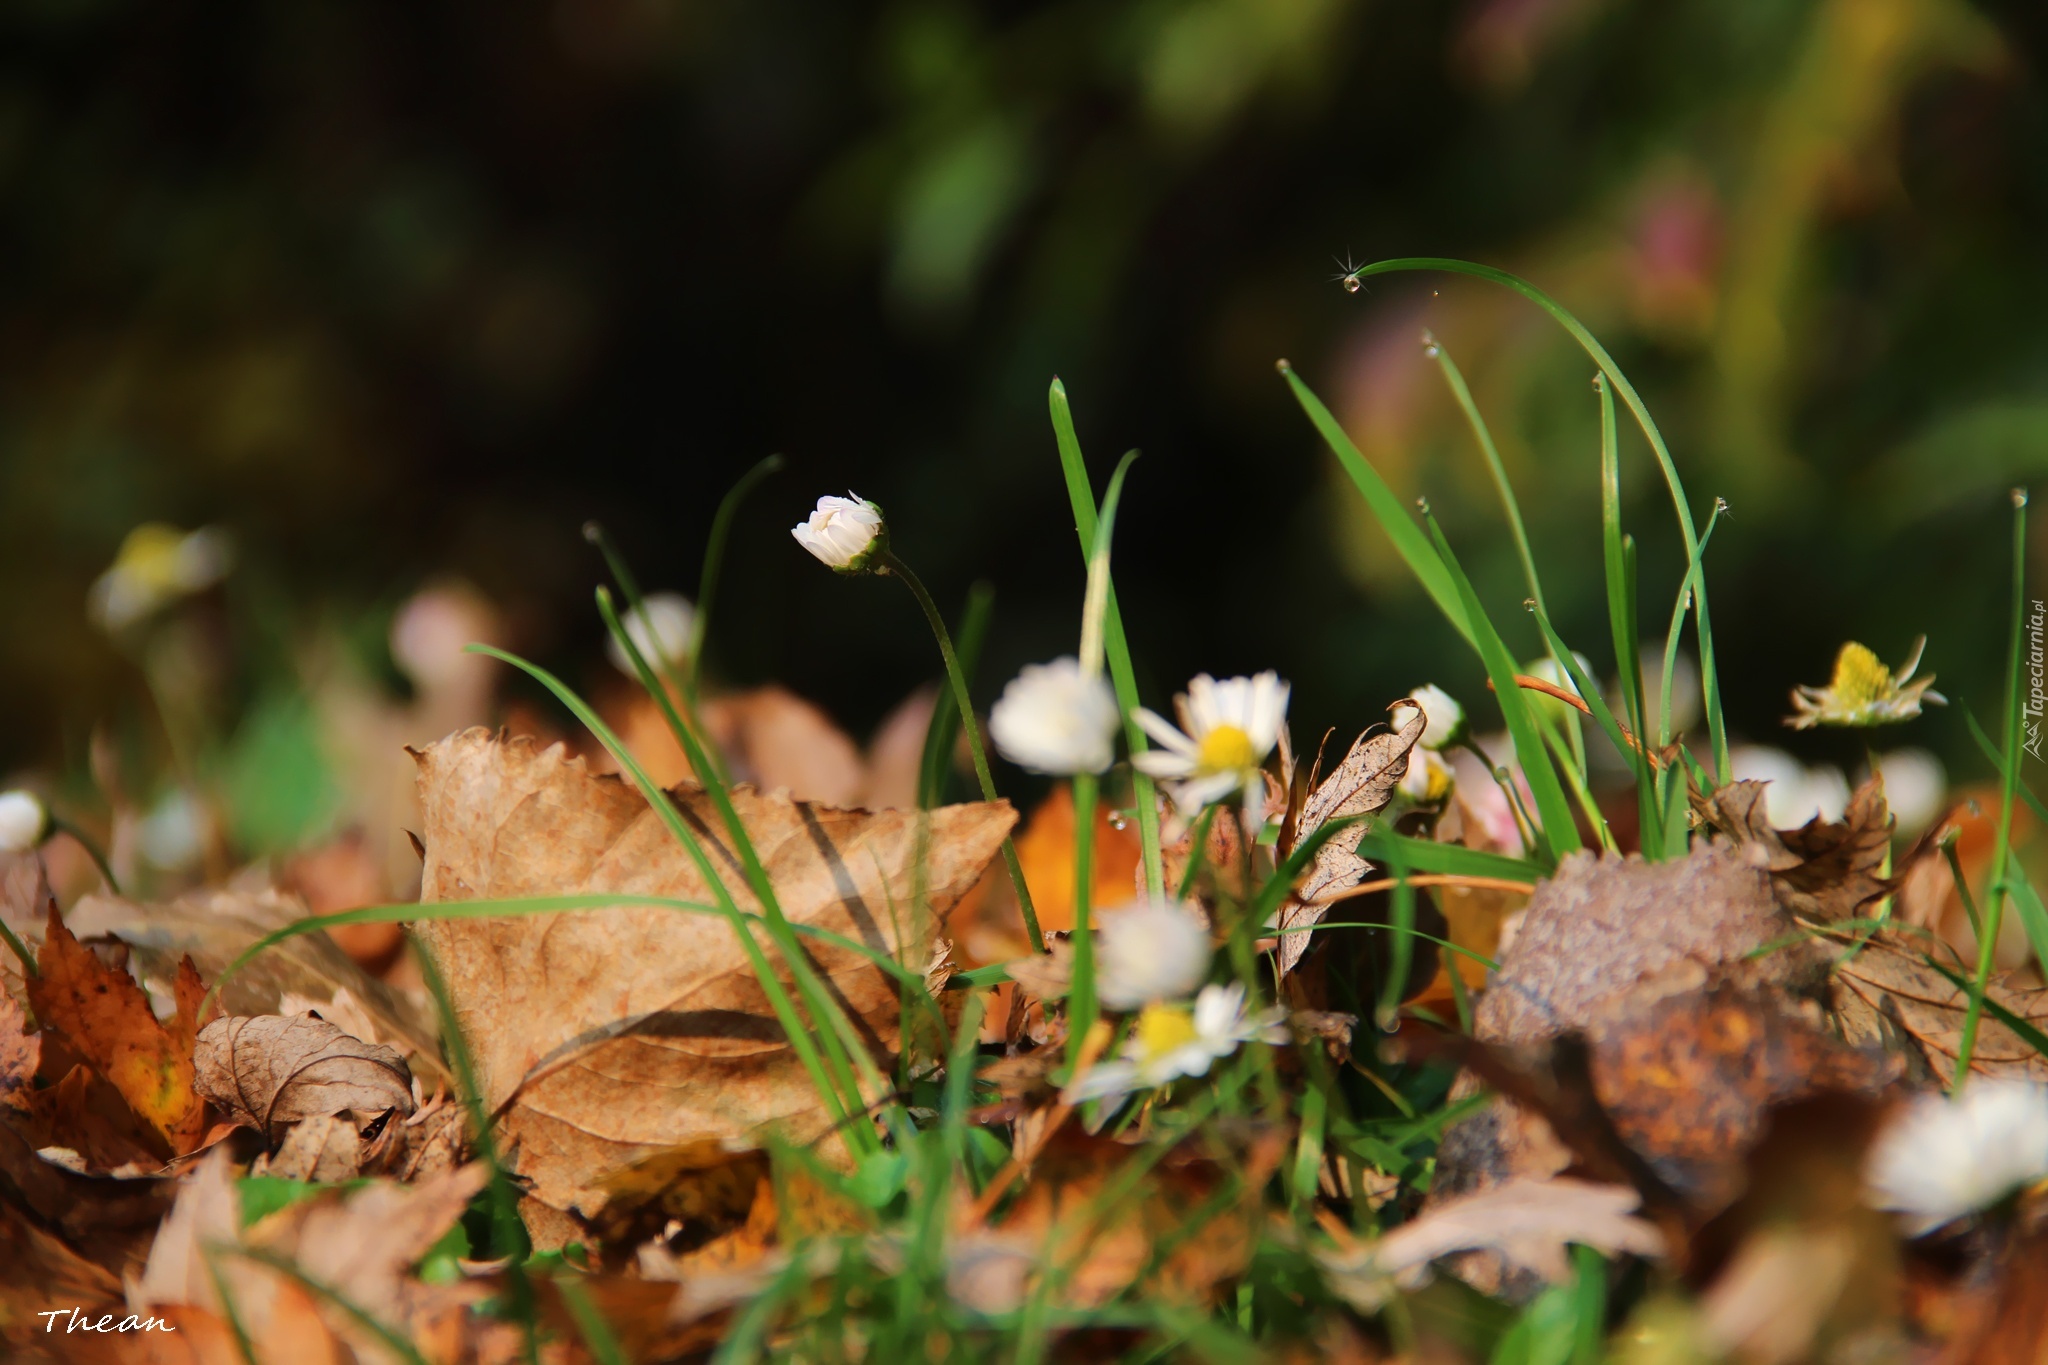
(1351, 284)
(2019, 497)
(1119, 821)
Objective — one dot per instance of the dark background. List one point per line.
(398, 291)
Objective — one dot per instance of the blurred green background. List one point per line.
(402, 293)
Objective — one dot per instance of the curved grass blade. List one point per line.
(944, 729)
(714, 561)
(1081, 495)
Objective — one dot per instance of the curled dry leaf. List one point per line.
(106, 1018)
(271, 1070)
(604, 1035)
(1527, 1222)
(1823, 871)
(1361, 785)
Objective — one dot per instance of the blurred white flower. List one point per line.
(1171, 1041)
(1795, 793)
(1915, 786)
(1053, 718)
(1547, 669)
(1226, 730)
(24, 821)
(1942, 1159)
(1149, 952)
(846, 534)
(431, 632)
(172, 834)
(1445, 719)
(1864, 692)
(1429, 779)
(660, 630)
(157, 565)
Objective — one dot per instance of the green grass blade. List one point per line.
(1095, 602)
(1427, 855)
(944, 730)
(1997, 762)
(1081, 495)
(1455, 378)
(1621, 621)
(1710, 686)
(1589, 690)
(597, 1334)
(391, 1339)
(2001, 849)
(1386, 508)
(714, 562)
(1558, 833)
(1695, 574)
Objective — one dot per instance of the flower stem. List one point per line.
(1081, 994)
(59, 825)
(896, 568)
(1994, 899)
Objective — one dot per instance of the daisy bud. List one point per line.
(1053, 718)
(24, 822)
(659, 629)
(156, 566)
(1444, 719)
(846, 534)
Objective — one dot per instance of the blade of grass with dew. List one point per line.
(714, 562)
(1122, 675)
(843, 1050)
(2001, 849)
(825, 1076)
(944, 730)
(1695, 574)
(1621, 622)
(1710, 687)
(1557, 833)
(1409, 543)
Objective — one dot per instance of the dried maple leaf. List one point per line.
(272, 1070)
(106, 1017)
(1527, 1222)
(1361, 785)
(604, 1035)
(1822, 871)
(1887, 992)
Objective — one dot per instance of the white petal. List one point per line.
(1164, 732)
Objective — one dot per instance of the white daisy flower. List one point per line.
(1444, 718)
(660, 630)
(1149, 952)
(1429, 779)
(24, 821)
(846, 534)
(1171, 1041)
(157, 565)
(1054, 718)
(1943, 1159)
(1226, 730)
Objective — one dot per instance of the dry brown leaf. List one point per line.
(686, 1194)
(605, 1035)
(1822, 871)
(21, 1053)
(1887, 993)
(106, 1017)
(44, 1273)
(271, 1070)
(1361, 785)
(108, 1218)
(1527, 1222)
(326, 1149)
(213, 927)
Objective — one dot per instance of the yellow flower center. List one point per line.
(1860, 677)
(1226, 749)
(1161, 1029)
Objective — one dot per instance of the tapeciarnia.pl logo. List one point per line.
(2037, 666)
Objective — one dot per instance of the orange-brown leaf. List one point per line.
(106, 1017)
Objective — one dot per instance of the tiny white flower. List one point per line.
(1915, 786)
(24, 821)
(1226, 730)
(1429, 779)
(1171, 1041)
(1444, 718)
(1943, 1159)
(1053, 718)
(660, 630)
(1794, 793)
(1547, 669)
(157, 564)
(846, 534)
(1149, 952)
